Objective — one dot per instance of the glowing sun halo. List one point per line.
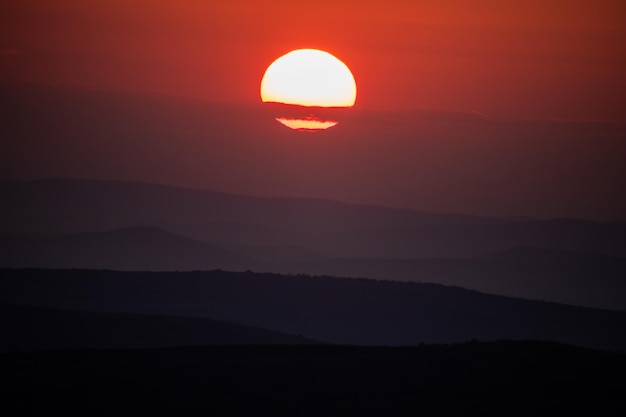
(308, 78)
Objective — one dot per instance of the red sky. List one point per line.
(510, 60)
(513, 59)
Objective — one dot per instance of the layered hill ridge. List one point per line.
(330, 310)
(330, 227)
(571, 277)
(135, 226)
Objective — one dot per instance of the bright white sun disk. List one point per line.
(309, 77)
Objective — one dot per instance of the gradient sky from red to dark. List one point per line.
(513, 59)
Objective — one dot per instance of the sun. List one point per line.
(308, 78)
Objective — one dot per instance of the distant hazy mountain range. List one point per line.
(329, 227)
(137, 248)
(134, 226)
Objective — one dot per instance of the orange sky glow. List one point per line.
(514, 59)
(484, 107)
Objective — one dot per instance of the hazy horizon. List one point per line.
(426, 160)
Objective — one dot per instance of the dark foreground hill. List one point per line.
(325, 309)
(35, 328)
(472, 379)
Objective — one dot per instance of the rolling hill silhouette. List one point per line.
(578, 278)
(571, 277)
(485, 166)
(331, 310)
(135, 226)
